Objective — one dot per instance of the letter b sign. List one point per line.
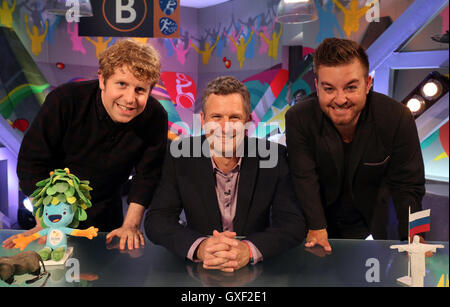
(125, 9)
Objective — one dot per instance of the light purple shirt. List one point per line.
(227, 185)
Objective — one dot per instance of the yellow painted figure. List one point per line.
(142, 40)
(6, 13)
(352, 15)
(99, 44)
(206, 54)
(36, 38)
(241, 48)
(273, 44)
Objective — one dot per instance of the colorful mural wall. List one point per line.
(239, 38)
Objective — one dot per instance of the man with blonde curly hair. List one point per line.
(102, 130)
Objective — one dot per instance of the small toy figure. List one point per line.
(418, 222)
(59, 203)
(22, 263)
(417, 252)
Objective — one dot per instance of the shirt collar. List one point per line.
(236, 168)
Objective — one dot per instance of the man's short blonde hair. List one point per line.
(227, 85)
(142, 60)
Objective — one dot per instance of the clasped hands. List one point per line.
(223, 252)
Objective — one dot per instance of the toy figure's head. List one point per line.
(60, 215)
(61, 199)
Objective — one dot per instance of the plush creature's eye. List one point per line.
(64, 212)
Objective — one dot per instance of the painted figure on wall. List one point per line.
(241, 47)
(6, 12)
(77, 41)
(142, 40)
(250, 50)
(180, 51)
(100, 44)
(52, 27)
(328, 21)
(206, 53)
(36, 38)
(273, 44)
(35, 11)
(352, 15)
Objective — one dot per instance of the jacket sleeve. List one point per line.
(41, 148)
(303, 169)
(148, 168)
(161, 222)
(406, 175)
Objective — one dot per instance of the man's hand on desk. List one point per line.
(319, 237)
(130, 233)
(130, 237)
(223, 252)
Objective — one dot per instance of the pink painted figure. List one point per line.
(233, 48)
(264, 47)
(77, 41)
(181, 53)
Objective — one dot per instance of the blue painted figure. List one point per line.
(328, 22)
(59, 203)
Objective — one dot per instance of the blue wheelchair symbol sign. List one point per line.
(168, 6)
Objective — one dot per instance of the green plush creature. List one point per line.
(59, 202)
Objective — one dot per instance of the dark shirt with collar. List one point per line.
(73, 130)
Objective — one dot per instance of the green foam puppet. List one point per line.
(59, 202)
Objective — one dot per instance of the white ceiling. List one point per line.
(201, 3)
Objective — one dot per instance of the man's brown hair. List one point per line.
(142, 60)
(226, 85)
(339, 51)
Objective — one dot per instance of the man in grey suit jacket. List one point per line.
(239, 209)
(350, 149)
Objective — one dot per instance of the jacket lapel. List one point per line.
(360, 141)
(332, 142)
(246, 185)
(206, 183)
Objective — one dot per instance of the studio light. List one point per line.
(27, 204)
(429, 91)
(25, 216)
(416, 104)
(296, 11)
(60, 7)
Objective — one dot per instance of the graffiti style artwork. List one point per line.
(435, 150)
